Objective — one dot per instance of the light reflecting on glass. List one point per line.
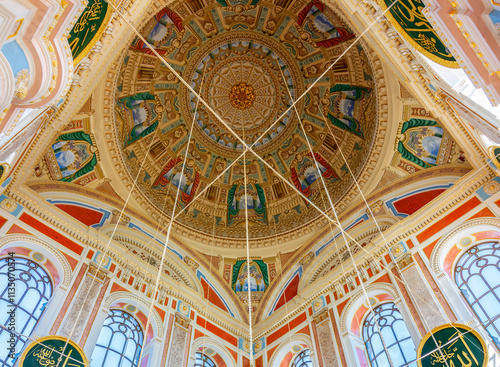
(32, 290)
(393, 333)
(119, 342)
(477, 275)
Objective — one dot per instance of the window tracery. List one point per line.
(202, 360)
(477, 275)
(32, 291)
(303, 359)
(119, 342)
(394, 333)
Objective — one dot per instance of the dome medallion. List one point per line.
(249, 63)
(249, 79)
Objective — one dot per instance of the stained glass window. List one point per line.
(27, 297)
(202, 360)
(119, 342)
(477, 275)
(395, 335)
(303, 359)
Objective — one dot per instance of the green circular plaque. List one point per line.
(48, 350)
(452, 345)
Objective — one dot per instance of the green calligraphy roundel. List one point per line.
(48, 350)
(88, 28)
(406, 16)
(452, 345)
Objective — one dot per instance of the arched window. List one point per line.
(119, 342)
(303, 359)
(477, 275)
(395, 335)
(27, 297)
(202, 360)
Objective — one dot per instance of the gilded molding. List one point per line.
(65, 277)
(113, 297)
(442, 243)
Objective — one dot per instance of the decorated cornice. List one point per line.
(108, 93)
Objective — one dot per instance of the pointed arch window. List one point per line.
(477, 275)
(202, 360)
(303, 359)
(27, 298)
(394, 333)
(119, 342)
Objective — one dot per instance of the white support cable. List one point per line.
(250, 326)
(168, 231)
(101, 261)
(164, 254)
(318, 171)
(427, 302)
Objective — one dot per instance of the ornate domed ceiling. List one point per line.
(248, 62)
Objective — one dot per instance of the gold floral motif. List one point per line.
(8, 205)
(242, 96)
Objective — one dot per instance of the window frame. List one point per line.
(45, 295)
(115, 315)
(204, 359)
(458, 268)
(301, 358)
(372, 360)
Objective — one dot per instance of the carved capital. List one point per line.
(321, 316)
(191, 263)
(405, 261)
(182, 321)
(99, 274)
(306, 260)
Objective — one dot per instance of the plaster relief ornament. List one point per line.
(249, 62)
(22, 81)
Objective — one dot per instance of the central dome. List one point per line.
(249, 63)
(248, 82)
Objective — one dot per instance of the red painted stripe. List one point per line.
(483, 213)
(428, 249)
(341, 306)
(17, 229)
(117, 288)
(2, 221)
(337, 338)
(217, 331)
(68, 300)
(91, 320)
(448, 219)
(288, 327)
(49, 232)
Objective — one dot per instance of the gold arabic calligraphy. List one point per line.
(87, 22)
(453, 356)
(44, 358)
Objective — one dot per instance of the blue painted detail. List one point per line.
(495, 16)
(298, 271)
(360, 219)
(483, 195)
(316, 306)
(106, 263)
(323, 247)
(241, 344)
(135, 226)
(18, 209)
(6, 182)
(185, 310)
(390, 203)
(394, 254)
(15, 56)
(200, 275)
(105, 213)
(258, 345)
